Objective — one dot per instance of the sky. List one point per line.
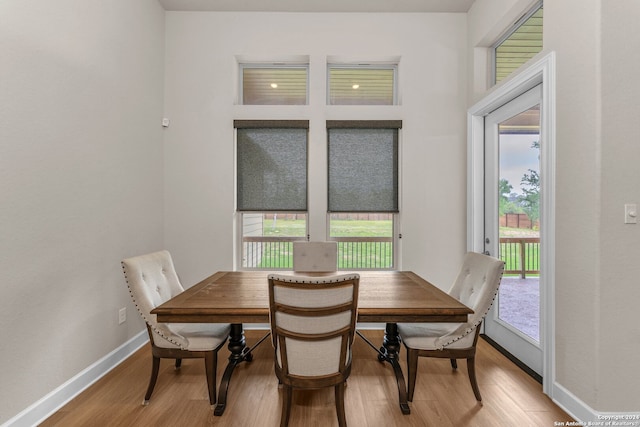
(517, 157)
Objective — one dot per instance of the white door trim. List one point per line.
(516, 342)
(541, 71)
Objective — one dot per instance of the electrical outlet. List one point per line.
(122, 315)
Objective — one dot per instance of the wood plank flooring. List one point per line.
(443, 397)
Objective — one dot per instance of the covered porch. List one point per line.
(519, 304)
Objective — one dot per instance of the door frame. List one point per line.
(511, 338)
(541, 71)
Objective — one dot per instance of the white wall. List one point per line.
(572, 30)
(597, 289)
(596, 279)
(619, 294)
(80, 181)
(200, 94)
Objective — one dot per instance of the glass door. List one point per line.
(512, 224)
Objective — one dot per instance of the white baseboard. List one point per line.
(569, 403)
(45, 407)
(585, 415)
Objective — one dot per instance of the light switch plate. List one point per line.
(630, 213)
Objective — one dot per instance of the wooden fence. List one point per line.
(341, 216)
(514, 220)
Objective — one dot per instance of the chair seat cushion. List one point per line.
(434, 336)
(195, 336)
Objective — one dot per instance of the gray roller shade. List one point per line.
(363, 168)
(271, 168)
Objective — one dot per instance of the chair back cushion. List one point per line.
(476, 287)
(313, 322)
(152, 280)
(315, 256)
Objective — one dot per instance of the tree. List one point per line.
(504, 189)
(530, 199)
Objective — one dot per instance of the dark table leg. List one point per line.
(389, 353)
(239, 353)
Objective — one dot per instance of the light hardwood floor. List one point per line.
(443, 397)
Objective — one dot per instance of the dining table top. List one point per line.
(243, 297)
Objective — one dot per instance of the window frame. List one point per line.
(395, 215)
(241, 220)
(241, 215)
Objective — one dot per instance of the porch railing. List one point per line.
(357, 253)
(521, 255)
(365, 253)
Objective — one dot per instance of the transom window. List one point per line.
(518, 45)
(262, 84)
(362, 84)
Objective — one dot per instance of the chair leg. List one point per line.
(454, 364)
(339, 396)
(178, 363)
(286, 405)
(412, 372)
(471, 368)
(211, 362)
(155, 368)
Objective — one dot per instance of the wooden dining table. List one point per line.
(241, 297)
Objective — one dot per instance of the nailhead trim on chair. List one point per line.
(476, 324)
(314, 280)
(142, 314)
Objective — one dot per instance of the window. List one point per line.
(271, 181)
(518, 45)
(273, 84)
(272, 163)
(363, 191)
(362, 84)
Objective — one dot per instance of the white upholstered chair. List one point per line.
(152, 280)
(312, 328)
(476, 286)
(311, 257)
(315, 256)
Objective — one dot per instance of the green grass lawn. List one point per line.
(339, 228)
(355, 228)
(284, 227)
(350, 254)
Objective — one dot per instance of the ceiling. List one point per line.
(459, 6)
